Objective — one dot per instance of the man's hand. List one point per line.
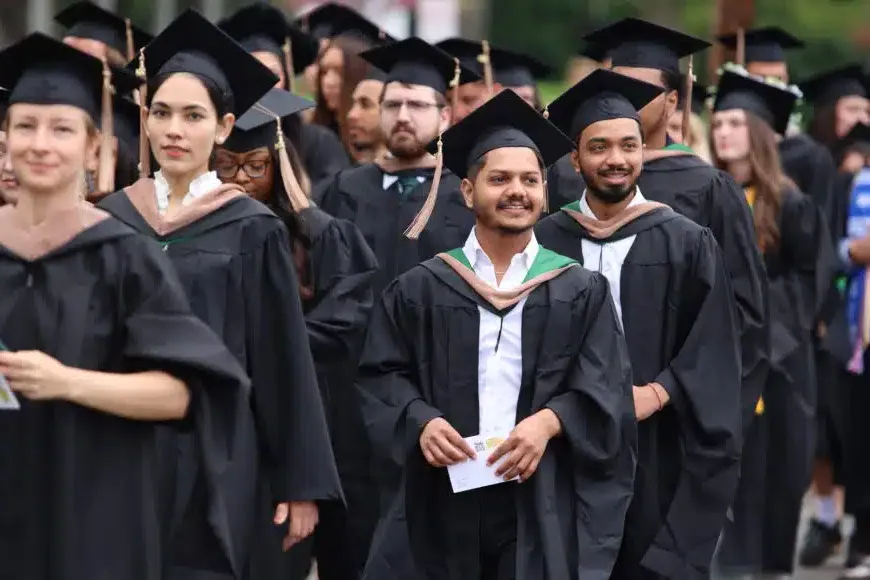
(859, 251)
(35, 375)
(526, 445)
(442, 445)
(303, 515)
(648, 400)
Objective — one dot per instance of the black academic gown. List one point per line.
(237, 270)
(323, 155)
(680, 326)
(712, 199)
(341, 268)
(382, 216)
(420, 362)
(810, 165)
(79, 488)
(777, 463)
(564, 184)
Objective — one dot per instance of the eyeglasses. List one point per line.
(414, 107)
(253, 169)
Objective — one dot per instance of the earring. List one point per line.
(220, 140)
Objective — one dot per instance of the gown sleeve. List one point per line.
(706, 373)
(286, 399)
(732, 226)
(598, 421)
(393, 406)
(344, 273)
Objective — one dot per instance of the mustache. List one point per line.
(514, 200)
(618, 170)
(402, 128)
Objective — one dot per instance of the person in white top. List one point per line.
(495, 363)
(233, 257)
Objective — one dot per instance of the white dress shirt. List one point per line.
(198, 187)
(499, 372)
(389, 180)
(608, 258)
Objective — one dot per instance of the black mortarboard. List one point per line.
(85, 19)
(637, 43)
(258, 128)
(593, 51)
(601, 96)
(860, 134)
(44, 71)
(763, 44)
(260, 27)
(330, 20)
(831, 86)
(416, 62)
(771, 104)
(510, 68)
(699, 96)
(191, 44)
(503, 121)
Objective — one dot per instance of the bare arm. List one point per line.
(148, 396)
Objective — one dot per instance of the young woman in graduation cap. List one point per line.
(747, 115)
(234, 259)
(336, 269)
(264, 31)
(97, 343)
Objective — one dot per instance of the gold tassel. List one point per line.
(106, 168)
(298, 199)
(287, 48)
(485, 60)
(741, 47)
(454, 85)
(687, 102)
(131, 47)
(144, 145)
(422, 218)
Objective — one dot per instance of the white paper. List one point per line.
(475, 473)
(8, 400)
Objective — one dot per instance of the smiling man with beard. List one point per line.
(673, 297)
(384, 198)
(504, 353)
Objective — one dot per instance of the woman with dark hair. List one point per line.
(747, 117)
(839, 99)
(265, 33)
(340, 70)
(336, 269)
(233, 256)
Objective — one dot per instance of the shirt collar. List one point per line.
(200, 186)
(476, 256)
(636, 200)
(390, 179)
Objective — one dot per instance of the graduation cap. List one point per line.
(699, 96)
(601, 96)
(84, 19)
(831, 86)
(260, 27)
(504, 121)
(41, 70)
(763, 44)
(261, 127)
(593, 51)
(414, 61)
(509, 68)
(638, 43)
(772, 104)
(191, 44)
(330, 20)
(859, 135)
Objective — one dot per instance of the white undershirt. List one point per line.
(389, 180)
(198, 187)
(499, 373)
(608, 258)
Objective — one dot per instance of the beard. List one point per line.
(609, 194)
(405, 145)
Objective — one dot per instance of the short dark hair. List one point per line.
(672, 80)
